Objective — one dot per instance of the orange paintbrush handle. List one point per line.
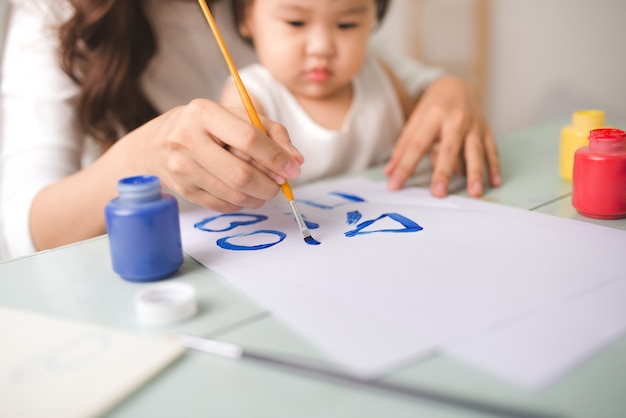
(243, 93)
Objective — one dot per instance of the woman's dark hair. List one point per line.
(105, 47)
(239, 10)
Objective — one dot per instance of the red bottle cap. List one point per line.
(607, 135)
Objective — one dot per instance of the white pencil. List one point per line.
(233, 351)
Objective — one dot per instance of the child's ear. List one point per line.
(376, 24)
(244, 30)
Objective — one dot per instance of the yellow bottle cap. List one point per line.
(588, 119)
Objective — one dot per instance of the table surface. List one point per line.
(77, 282)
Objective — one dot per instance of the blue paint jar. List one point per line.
(144, 230)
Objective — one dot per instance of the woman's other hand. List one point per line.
(449, 124)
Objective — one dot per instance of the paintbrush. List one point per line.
(233, 351)
(254, 117)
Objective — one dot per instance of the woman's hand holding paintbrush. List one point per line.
(254, 117)
(275, 131)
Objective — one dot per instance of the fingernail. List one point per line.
(476, 188)
(496, 180)
(298, 153)
(292, 169)
(439, 189)
(394, 183)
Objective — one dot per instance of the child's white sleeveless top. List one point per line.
(369, 131)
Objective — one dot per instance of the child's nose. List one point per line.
(321, 41)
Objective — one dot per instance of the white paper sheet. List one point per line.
(376, 300)
(537, 350)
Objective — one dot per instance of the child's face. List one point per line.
(314, 47)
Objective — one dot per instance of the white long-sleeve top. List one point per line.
(40, 139)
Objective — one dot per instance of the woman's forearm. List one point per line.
(72, 209)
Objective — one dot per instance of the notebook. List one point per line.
(60, 368)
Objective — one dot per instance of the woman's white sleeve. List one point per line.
(40, 139)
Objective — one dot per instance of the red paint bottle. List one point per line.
(599, 181)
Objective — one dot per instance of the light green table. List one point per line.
(77, 282)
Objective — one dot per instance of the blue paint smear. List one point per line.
(408, 224)
(310, 224)
(315, 204)
(225, 244)
(346, 196)
(350, 197)
(255, 218)
(311, 241)
(353, 217)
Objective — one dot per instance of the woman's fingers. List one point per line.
(449, 124)
(416, 139)
(212, 192)
(217, 159)
(450, 145)
(237, 133)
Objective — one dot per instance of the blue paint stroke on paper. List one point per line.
(227, 245)
(315, 204)
(353, 217)
(310, 224)
(252, 219)
(408, 225)
(311, 241)
(349, 197)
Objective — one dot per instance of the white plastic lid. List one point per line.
(166, 303)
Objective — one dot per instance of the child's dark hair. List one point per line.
(239, 9)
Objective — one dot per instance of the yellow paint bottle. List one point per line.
(575, 136)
